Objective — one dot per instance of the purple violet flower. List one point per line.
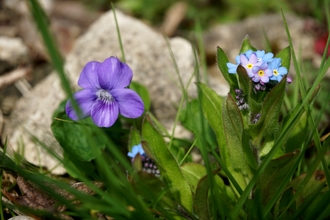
(277, 70)
(104, 93)
(249, 63)
(261, 73)
(137, 149)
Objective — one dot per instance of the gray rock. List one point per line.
(146, 53)
(12, 53)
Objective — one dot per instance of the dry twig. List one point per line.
(13, 76)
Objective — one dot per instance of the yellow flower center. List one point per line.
(275, 72)
(250, 65)
(261, 73)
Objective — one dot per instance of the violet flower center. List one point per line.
(104, 96)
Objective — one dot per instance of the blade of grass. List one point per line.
(122, 187)
(118, 33)
(311, 121)
(40, 19)
(176, 67)
(201, 48)
(182, 87)
(188, 152)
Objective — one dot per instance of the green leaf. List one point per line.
(143, 93)
(222, 61)
(317, 204)
(284, 202)
(273, 175)
(298, 134)
(152, 189)
(233, 130)
(317, 180)
(246, 45)
(285, 56)
(169, 168)
(268, 123)
(211, 106)
(72, 164)
(74, 137)
(134, 138)
(191, 119)
(193, 172)
(250, 156)
(201, 199)
(245, 83)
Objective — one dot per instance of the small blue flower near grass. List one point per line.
(148, 165)
(105, 94)
(233, 67)
(277, 70)
(264, 57)
(137, 149)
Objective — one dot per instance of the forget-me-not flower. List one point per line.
(104, 93)
(278, 70)
(248, 63)
(261, 73)
(233, 67)
(148, 165)
(137, 149)
(264, 57)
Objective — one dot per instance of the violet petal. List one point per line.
(88, 78)
(104, 114)
(114, 74)
(85, 99)
(130, 103)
